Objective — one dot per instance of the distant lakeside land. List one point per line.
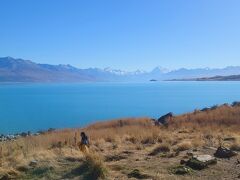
(19, 70)
(215, 78)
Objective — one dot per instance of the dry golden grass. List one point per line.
(184, 132)
(220, 121)
(95, 167)
(144, 122)
(224, 116)
(110, 130)
(162, 148)
(183, 146)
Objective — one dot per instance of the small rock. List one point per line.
(199, 162)
(164, 120)
(205, 109)
(33, 163)
(195, 164)
(223, 152)
(205, 158)
(235, 104)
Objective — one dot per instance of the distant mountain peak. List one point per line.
(160, 69)
(115, 71)
(8, 57)
(139, 71)
(67, 66)
(122, 72)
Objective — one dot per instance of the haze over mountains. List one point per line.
(19, 70)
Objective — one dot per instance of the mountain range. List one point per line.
(19, 70)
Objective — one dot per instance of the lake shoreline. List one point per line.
(14, 136)
(41, 106)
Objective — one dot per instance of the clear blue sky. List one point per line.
(124, 34)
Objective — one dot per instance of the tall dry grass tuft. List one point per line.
(183, 146)
(162, 148)
(224, 116)
(118, 123)
(94, 167)
(134, 130)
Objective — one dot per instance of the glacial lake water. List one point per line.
(36, 107)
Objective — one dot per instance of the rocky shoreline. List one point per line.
(12, 137)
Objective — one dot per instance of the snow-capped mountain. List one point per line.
(122, 72)
(160, 70)
(115, 71)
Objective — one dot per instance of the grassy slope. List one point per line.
(120, 146)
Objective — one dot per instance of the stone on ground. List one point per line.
(181, 170)
(223, 152)
(199, 162)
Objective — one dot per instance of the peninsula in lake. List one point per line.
(214, 78)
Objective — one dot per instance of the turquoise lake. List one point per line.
(36, 107)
